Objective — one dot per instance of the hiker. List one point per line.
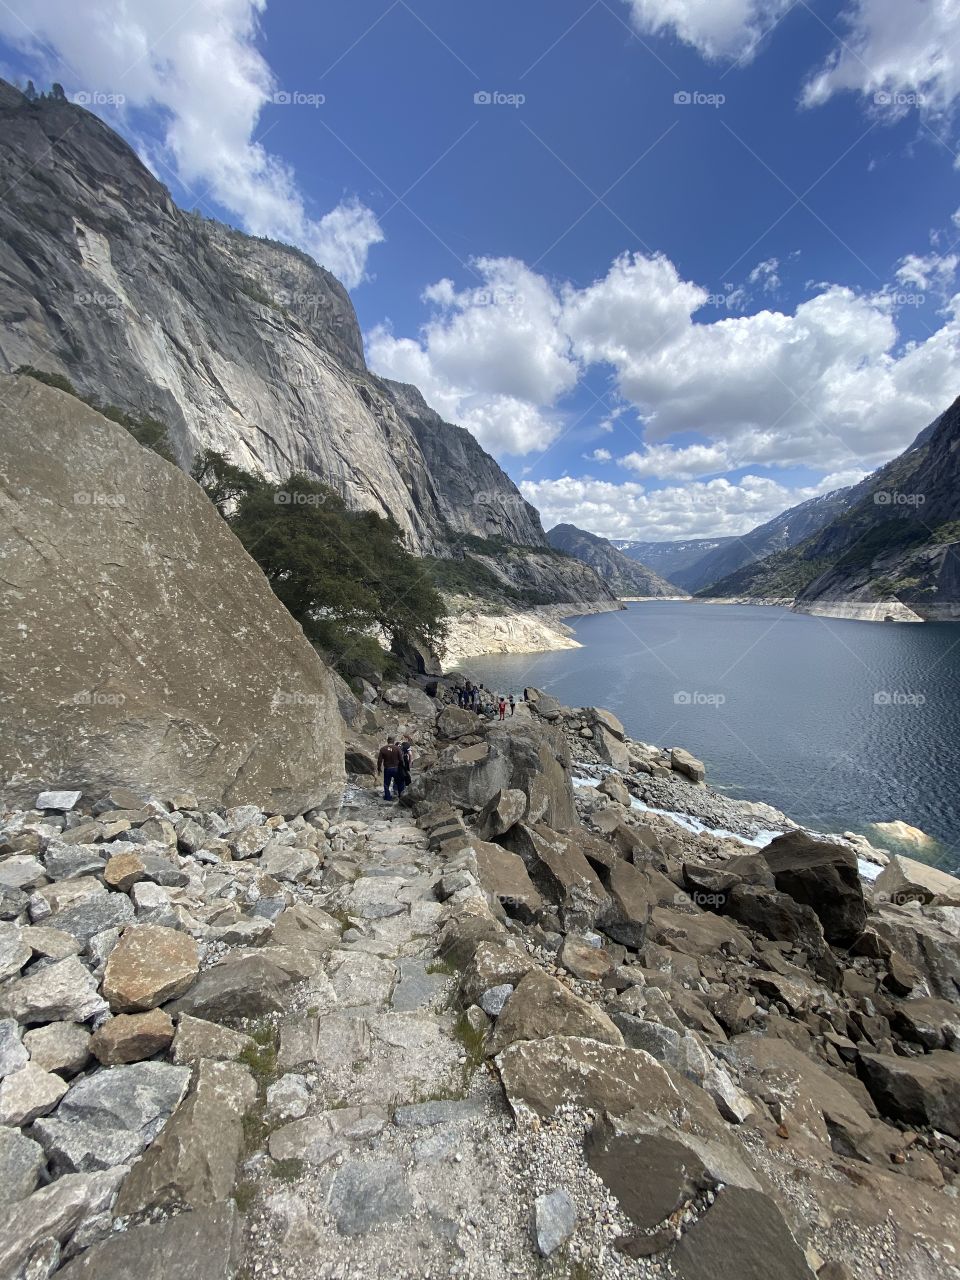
(502, 705)
(406, 751)
(478, 699)
(390, 762)
(513, 704)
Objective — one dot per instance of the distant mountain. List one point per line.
(676, 561)
(893, 551)
(625, 576)
(779, 534)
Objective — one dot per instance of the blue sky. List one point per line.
(696, 260)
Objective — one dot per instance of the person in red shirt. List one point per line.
(502, 705)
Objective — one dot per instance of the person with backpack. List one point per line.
(390, 763)
(406, 751)
(513, 704)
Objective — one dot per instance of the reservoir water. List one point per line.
(839, 724)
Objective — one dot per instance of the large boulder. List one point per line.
(916, 1091)
(109, 552)
(823, 875)
(542, 1006)
(904, 880)
(521, 756)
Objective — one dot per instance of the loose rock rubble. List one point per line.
(505, 1026)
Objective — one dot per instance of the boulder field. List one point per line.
(512, 1026)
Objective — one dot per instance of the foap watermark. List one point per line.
(491, 498)
(727, 300)
(495, 298)
(288, 298)
(86, 498)
(108, 301)
(706, 900)
(686, 698)
(893, 498)
(898, 698)
(97, 98)
(902, 299)
(894, 98)
(294, 498)
(97, 698)
(298, 98)
(694, 98)
(494, 98)
(284, 699)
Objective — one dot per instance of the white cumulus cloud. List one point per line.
(717, 28)
(199, 67)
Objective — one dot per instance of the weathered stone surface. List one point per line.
(502, 812)
(586, 962)
(13, 1055)
(905, 880)
(421, 1115)
(21, 1160)
(174, 715)
(62, 800)
(541, 1075)
(107, 1118)
(288, 1098)
(14, 951)
(63, 990)
(60, 1046)
(29, 1093)
(683, 762)
(206, 1245)
(504, 875)
(288, 863)
(319, 1138)
(365, 1196)
(149, 966)
(923, 1091)
(52, 943)
(631, 901)
(106, 911)
(455, 722)
(331, 1040)
(554, 1221)
(195, 1039)
(740, 1235)
(933, 1023)
(542, 1006)
(556, 863)
(61, 861)
(492, 1000)
(131, 1037)
(193, 1162)
(360, 979)
(21, 872)
(776, 915)
(823, 875)
(246, 986)
(493, 964)
(124, 870)
(52, 1212)
(652, 1175)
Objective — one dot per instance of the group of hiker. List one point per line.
(396, 758)
(474, 697)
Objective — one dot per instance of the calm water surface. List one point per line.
(839, 724)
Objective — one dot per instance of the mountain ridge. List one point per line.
(623, 575)
(237, 344)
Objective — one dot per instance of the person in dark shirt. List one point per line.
(390, 763)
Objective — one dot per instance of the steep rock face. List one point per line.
(235, 343)
(779, 534)
(893, 553)
(624, 576)
(138, 640)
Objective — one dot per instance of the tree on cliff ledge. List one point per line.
(344, 575)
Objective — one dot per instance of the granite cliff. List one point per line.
(237, 344)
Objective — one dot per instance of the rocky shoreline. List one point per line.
(543, 630)
(522, 1016)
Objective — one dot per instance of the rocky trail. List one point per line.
(506, 1028)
